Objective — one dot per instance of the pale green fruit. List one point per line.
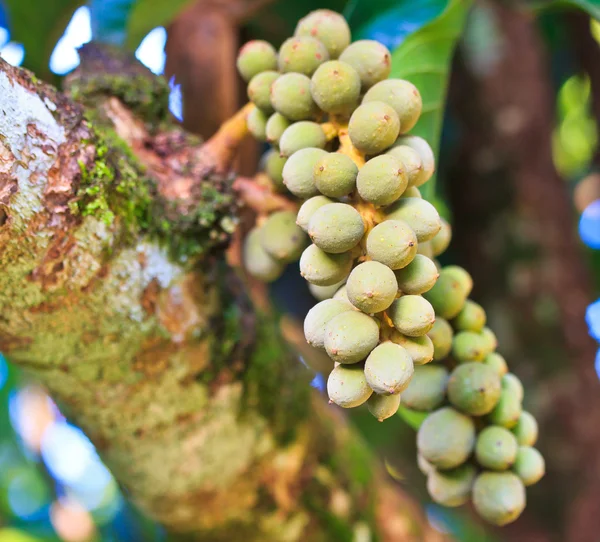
(530, 466)
(323, 269)
(512, 384)
(418, 276)
(301, 54)
(427, 388)
(257, 261)
(298, 172)
(255, 57)
(383, 406)
(336, 227)
(370, 59)
(441, 335)
(446, 438)
(425, 249)
(420, 349)
(462, 276)
(412, 315)
(442, 238)
(328, 27)
(382, 180)
(424, 466)
(526, 430)
(426, 154)
(496, 448)
(403, 96)
(335, 87)
(257, 124)
(420, 215)
(259, 90)
(413, 166)
(319, 316)
(335, 175)
(469, 346)
(342, 294)
(490, 340)
(498, 497)
(388, 369)
(496, 362)
(347, 386)
(324, 292)
(412, 192)
(371, 287)
(350, 336)
(309, 208)
(446, 296)
(291, 97)
(276, 125)
(282, 238)
(507, 411)
(373, 127)
(451, 487)
(273, 166)
(302, 135)
(474, 388)
(392, 243)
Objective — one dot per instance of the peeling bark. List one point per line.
(192, 398)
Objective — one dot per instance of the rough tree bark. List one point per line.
(114, 294)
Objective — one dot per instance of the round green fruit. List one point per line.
(291, 97)
(403, 96)
(412, 166)
(257, 261)
(446, 296)
(373, 127)
(282, 238)
(427, 158)
(298, 172)
(446, 438)
(371, 287)
(255, 57)
(451, 487)
(323, 269)
(324, 292)
(496, 448)
(257, 124)
(302, 135)
(319, 316)
(382, 180)
(276, 125)
(370, 59)
(507, 411)
(388, 369)
(309, 208)
(336, 227)
(418, 276)
(469, 346)
(335, 87)
(328, 27)
(347, 386)
(259, 90)
(474, 388)
(412, 315)
(462, 276)
(442, 238)
(427, 388)
(498, 497)
(273, 166)
(441, 335)
(420, 349)
(514, 386)
(383, 406)
(526, 429)
(419, 214)
(530, 466)
(335, 175)
(392, 243)
(496, 362)
(350, 337)
(302, 54)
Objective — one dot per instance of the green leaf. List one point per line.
(109, 20)
(424, 59)
(412, 417)
(148, 14)
(38, 26)
(592, 7)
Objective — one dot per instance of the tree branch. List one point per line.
(192, 398)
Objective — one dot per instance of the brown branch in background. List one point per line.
(260, 198)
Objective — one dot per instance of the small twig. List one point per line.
(259, 197)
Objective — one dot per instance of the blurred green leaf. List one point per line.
(424, 58)
(14, 535)
(38, 26)
(412, 417)
(109, 20)
(592, 7)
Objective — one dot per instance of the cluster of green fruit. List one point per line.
(337, 126)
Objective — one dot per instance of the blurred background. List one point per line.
(512, 102)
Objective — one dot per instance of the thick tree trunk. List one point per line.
(115, 295)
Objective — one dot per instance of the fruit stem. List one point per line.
(260, 197)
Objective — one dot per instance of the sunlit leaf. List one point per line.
(412, 417)
(38, 25)
(424, 58)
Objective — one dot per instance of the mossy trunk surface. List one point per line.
(115, 294)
